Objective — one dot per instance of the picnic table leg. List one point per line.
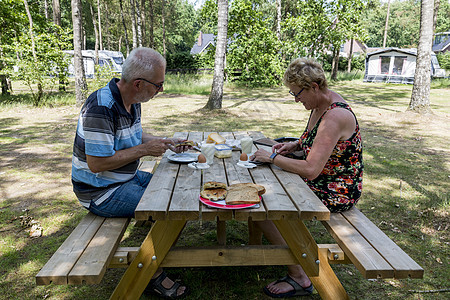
(152, 252)
(314, 262)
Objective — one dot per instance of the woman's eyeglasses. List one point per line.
(296, 95)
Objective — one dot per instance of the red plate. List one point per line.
(221, 204)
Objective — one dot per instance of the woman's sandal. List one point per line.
(298, 289)
(155, 287)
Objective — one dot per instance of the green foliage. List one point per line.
(358, 62)
(181, 60)
(42, 72)
(444, 60)
(253, 57)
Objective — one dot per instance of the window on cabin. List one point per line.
(399, 61)
(385, 62)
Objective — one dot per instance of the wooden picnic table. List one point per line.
(172, 199)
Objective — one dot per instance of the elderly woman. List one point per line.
(332, 166)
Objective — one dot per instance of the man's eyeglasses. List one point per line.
(158, 86)
(296, 95)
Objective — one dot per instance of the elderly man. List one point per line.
(109, 142)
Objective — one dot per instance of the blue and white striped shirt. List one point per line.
(104, 127)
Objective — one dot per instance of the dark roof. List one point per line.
(443, 46)
(412, 51)
(207, 39)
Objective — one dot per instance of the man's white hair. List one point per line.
(141, 63)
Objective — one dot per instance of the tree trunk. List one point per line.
(350, 56)
(80, 79)
(138, 23)
(386, 24)
(100, 39)
(215, 98)
(279, 20)
(30, 20)
(133, 24)
(163, 27)
(420, 97)
(151, 37)
(143, 23)
(94, 22)
(124, 27)
(106, 23)
(335, 64)
(46, 9)
(3, 80)
(56, 13)
(437, 3)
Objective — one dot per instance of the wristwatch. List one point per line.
(272, 156)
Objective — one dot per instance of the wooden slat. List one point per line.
(404, 266)
(309, 205)
(92, 264)
(60, 264)
(160, 188)
(366, 259)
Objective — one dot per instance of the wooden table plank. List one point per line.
(308, 204)
(156, 198)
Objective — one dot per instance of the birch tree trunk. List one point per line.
(100, 39)
(350, 56)
(143, 22)
(386, 24)
(124, 27)
(420, 97)
(46, 9)
(95, 33)
(133, 24)
(279, 20)
(56, 12)
(164, 27)
(215, 98)
(138, 23)
(80, 79)
(151, 37)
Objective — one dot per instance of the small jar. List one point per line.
(223, 151)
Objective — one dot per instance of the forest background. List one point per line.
(260, 43)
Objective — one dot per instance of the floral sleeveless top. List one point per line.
(339, 184)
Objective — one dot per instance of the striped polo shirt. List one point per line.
(104, 127)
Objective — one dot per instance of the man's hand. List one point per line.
(180, 145)
(157, 147)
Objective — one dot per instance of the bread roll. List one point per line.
(214, 185)
(214, 194)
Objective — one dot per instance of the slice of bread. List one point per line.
(215, 138)
(214, 185)
(214, 194)
(242, 194)
(261, 189)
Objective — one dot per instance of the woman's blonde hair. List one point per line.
(304, 71)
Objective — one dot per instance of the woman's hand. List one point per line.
(262, 156)
(285, 148)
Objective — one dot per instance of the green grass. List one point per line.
(405, 193)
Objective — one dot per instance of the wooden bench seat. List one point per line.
(85, 255)
(373, 253)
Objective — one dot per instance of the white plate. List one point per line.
(183, 157)
(246, 164)
(198, 166)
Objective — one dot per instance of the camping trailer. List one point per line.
(104, 60)
(396, 65)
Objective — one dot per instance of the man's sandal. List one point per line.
(155, 287)
(298, 289)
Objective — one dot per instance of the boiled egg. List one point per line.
(243, 157)
(201, 159)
